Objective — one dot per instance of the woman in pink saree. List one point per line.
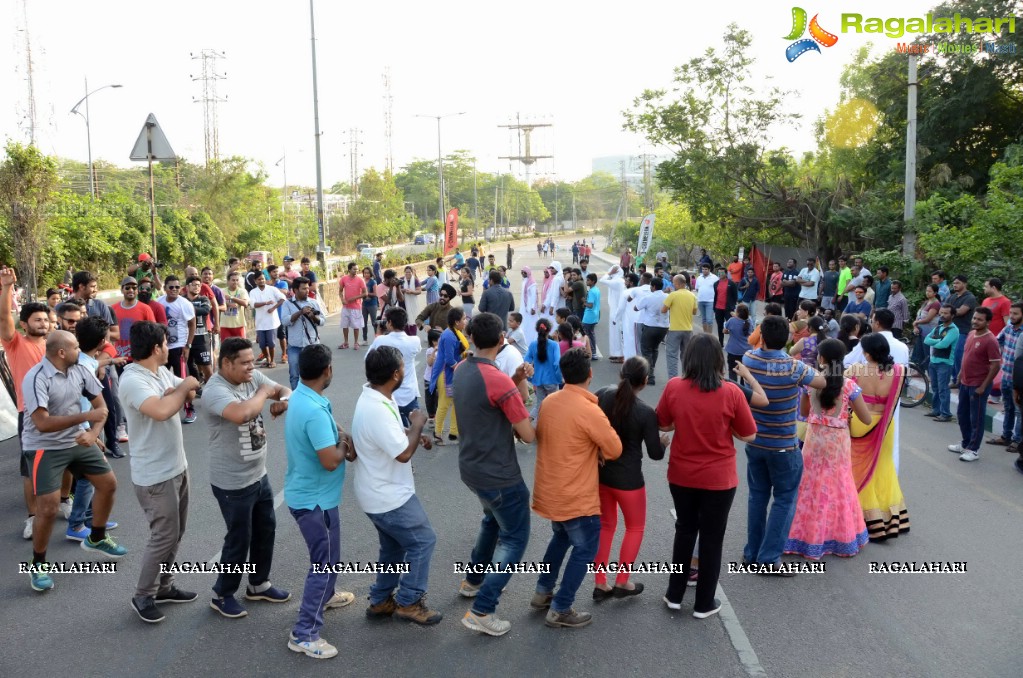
(884, 507)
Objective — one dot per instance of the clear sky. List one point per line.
(575, 64)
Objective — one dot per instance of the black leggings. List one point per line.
(721, 316)
(703, 513)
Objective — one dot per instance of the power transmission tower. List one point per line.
(388, 121)
(525, 156)
(209, 100)
(353, 160)
(30, 113)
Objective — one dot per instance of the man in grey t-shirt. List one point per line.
(151, 398)
(233, 402)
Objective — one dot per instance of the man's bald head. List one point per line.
(59, 340)
(190, 271)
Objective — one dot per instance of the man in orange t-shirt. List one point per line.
(23, 353)
(573, 436)
(735, 270)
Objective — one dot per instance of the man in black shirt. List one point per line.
(829, 287)
(578, 291)
(962, 302)
(791, 287)
(496, 299)
(200, 358)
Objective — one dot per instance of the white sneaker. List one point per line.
(956, 448)
(340, 599)
(64, 509)
(969, 455)
(27, 532)
(122, 434)
(487, 623)
(671, 605)
(317, 649)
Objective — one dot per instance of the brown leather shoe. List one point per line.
(382, 609)
(418, 612)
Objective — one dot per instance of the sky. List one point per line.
(572, 64)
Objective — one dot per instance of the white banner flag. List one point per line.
(646, 234)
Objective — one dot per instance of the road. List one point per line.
(844, 622)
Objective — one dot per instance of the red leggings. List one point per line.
(633, 504)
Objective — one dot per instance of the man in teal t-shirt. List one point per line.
(317, 450)
(591, 312)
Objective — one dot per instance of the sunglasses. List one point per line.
(174, 287)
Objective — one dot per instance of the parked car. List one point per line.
(369, 252)
(361, 246)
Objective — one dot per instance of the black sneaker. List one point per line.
(452, 439)
(176, 595)
(146, 609)
(229, 607)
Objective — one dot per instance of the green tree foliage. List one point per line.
(28, 180)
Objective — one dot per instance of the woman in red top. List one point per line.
(701, 466)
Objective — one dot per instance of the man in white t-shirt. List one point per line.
(264, 301)
(180, 333)
(809, 281)
(705, 297)
(407, 394)
(386, 491)
(508, 361)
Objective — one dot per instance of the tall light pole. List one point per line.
(88, 133)
(440, 162)
(284, 200)
(316, 123)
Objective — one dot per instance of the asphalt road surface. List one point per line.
(844, 622)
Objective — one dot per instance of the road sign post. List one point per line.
(152, 145)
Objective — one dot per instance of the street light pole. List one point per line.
(440, 162)
(88, 131)
(284, 200)
(321, 226)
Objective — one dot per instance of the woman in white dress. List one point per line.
(530, 304)
(413, 291)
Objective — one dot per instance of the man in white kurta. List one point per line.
(615, 282)
(552, 301)
(530, 304)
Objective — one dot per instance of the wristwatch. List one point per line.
(188, 346)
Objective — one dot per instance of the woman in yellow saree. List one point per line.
(873, 466)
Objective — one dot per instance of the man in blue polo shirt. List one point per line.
(774, 462)
(317, 450)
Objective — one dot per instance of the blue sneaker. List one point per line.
(272, 595)
(41, 579)
(84, 531)
(229, 607)
(107, 547)
(81, 534)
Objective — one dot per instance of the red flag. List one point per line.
(451, 231)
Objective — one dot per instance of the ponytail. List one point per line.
(543, 328)
(634, 374)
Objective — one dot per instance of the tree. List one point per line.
(719, 125)
(27, 182)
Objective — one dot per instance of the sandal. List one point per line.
(356, 347)
(438, 441)
(342, 346)
(270, 366)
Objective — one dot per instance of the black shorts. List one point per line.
(200, 353)
(280, 333)
(176, 364)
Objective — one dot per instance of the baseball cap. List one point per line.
(128, 280)
(288, 257)
(145, 257)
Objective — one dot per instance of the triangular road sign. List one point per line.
(152, 143)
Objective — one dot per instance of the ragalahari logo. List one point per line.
(819, 35)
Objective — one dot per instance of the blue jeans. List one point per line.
(81, 507)
(293, 352)
(251, 530)
(1012, 416)
(583, 535)
(322, 533)
(406, 410)
(504, 533)
(921, 352)
(590, 332)
(706, 312)
(406, 536)
(958, 354)
(940, 374)
(972, 408)
(767, 472)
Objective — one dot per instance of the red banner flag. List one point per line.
(451, 231)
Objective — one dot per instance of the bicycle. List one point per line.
(916, 385)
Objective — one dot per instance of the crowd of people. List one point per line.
(812, 389)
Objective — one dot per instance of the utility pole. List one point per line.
(388, 121)
(475, 203)
(353, 161)
(557, 227)
(909, 212)
(321, 250)
(526, 158)
(625, 190)
(493, 233)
